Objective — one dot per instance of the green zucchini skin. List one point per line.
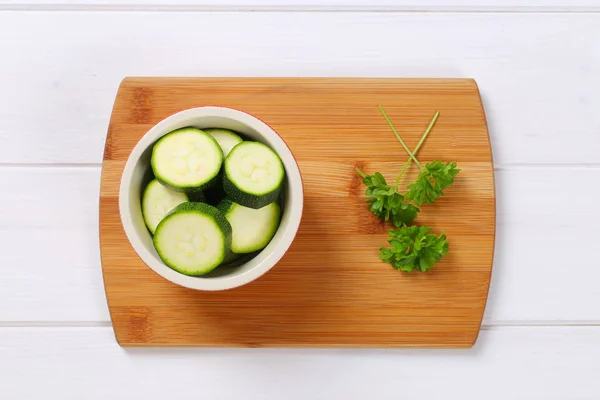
(225, 205)
(196, 196)
(230, 258)
(191, 191)
(248, 199)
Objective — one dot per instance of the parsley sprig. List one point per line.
(434, 176)
(385, 201)
(412, 247)
(431, 182)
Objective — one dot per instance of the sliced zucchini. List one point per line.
(187, 159)
(197, 196)
(157, 201)
(227, 139)
(252, 228)
(253, 175)
(193, 238)
(230, 257)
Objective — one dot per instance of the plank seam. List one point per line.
(485, 326)
(55, 324)
(300, 8)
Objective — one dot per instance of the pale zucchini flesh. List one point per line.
(226, 138)
(252, 228)
(187, 159)
(253, 175)
(193, 238)
(157, 201)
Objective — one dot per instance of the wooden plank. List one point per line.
(308, 5)
(50, 250)
(549, 363)
(554, 64)
(324, 273)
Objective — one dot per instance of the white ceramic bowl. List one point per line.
(137, 170)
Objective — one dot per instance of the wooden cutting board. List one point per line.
(330, 289)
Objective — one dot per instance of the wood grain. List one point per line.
(330, 289)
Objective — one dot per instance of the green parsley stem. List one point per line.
(399, 138)
(362, 174)
(415, 151)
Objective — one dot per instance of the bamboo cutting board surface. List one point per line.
(330, 289)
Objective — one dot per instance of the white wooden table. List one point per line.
(537, 63)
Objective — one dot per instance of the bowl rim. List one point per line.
(293, 174)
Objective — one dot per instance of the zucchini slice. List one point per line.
(252, 228)
(253, 175)
(196, 196)
(193, 238)
(230, 257)
(157, 201)
(187, 159)
(226, 138)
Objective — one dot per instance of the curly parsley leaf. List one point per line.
(413, 247)
(385, 202)
(401, 212)
(431, 182)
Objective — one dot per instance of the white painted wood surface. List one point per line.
(317, 5)
(538, 73)
(530, 363)
(537, 65)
